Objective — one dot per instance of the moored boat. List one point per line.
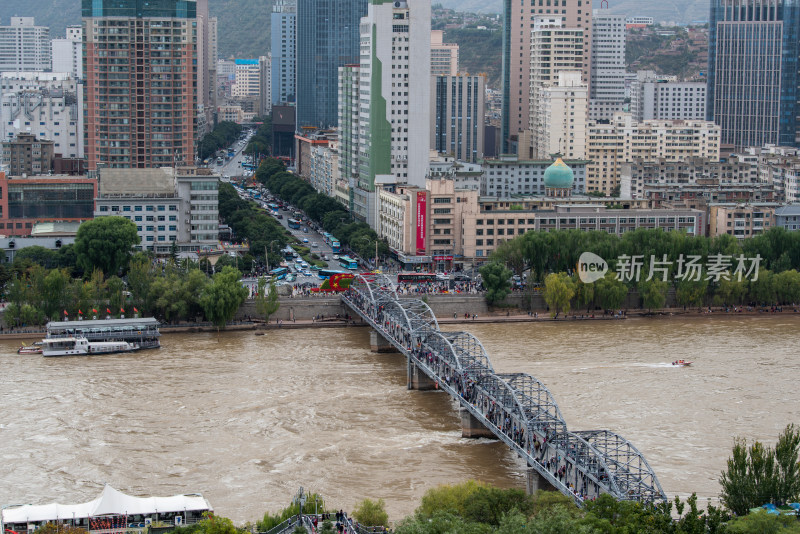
(142, 332)
(80, 346)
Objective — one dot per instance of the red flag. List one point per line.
(80, 312)
(65, 312)
(108, 311)
(94, 311)
(122, 310)
(135, 310)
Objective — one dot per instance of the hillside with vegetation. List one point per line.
(682, 52)
(480, 51)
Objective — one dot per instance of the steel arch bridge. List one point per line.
(517, 408)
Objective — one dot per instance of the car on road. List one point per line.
(307, 272)
(325, 257)
(314, 245)
(305, 240)
(335, 256)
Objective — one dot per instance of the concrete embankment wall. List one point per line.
(306, 308)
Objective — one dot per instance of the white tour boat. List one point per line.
(80, 346)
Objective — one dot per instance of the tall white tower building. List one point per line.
(283, 24)
(67, 54)
(24, 46)
(607, 87)
(395, 87)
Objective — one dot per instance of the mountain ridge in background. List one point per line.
(244, 30)
(680, 11)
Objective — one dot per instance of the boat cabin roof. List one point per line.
(104, 323)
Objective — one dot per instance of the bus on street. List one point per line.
(415, 278)
(293, 223)
(279, 273)
(348, 263)
(324, 274)
(335, 246)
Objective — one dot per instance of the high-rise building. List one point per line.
(395, 88)
(607, 90)
(660, 97)
(562, 118)
(24, 46)
(283, 25)
(444, 56)
(327, 38)
(553, 48)
(349, 116)
(753, 49)
(140, 72)
(206, 62)
(67, 54)
(457, 116)
(518, 21)
(247, 78)
(48, 105)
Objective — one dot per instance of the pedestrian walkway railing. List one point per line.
(286, 526)
(517, 408)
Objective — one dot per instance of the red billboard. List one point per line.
(421, 214)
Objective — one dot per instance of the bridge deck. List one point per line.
(517, 408)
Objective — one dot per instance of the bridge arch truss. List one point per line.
(516, 407)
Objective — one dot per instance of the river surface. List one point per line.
(247, 419)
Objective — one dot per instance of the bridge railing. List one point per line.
(517, 407)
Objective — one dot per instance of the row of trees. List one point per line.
(252, 224)
(553, 257)
(168, 291)
(321, 208)
(223, 135)
(261, 141)
(563, 293)
(549, 252)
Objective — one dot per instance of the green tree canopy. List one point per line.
(558, 293)
(105, 243)
(758, 474)
(223, 296)
(496, 279)
(267, 300)
(371, 513)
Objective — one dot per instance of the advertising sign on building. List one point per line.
(421, 214)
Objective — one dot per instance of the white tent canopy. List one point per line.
(111, 501)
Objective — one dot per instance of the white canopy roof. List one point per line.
(111, 501)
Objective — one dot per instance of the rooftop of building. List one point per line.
(55, 229)
(791, 209)
(136, 182)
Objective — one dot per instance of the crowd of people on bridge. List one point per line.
(541, 441)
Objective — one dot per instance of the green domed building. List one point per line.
(558, 179)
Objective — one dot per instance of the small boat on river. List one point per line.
(35, 348)
(681, 363)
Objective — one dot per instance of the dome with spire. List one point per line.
(558, 176)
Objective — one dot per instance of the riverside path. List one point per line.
(516, 408)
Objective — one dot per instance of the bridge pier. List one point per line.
(378, 343)
(535, 482)
(472, 428)
(417, 379)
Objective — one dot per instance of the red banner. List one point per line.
(421, 214)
